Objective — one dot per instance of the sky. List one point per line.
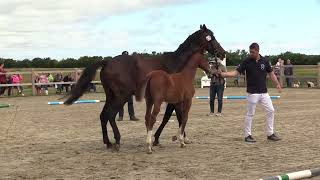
(74, 28)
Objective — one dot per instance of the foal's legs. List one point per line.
(179, 117)
(149, 105)
(170, 108)
(150, 122)
(185, 112)
(104, 120)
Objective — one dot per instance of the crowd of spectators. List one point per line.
(43, 82)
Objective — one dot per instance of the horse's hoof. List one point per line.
(174, 138)
(149, 150)
(156, 143)
(182, 145)
(116, 147)
(187, 141)
(109, 146)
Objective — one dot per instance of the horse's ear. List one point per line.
(201, 26)
(204, 27)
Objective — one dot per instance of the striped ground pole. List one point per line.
(76, 102)
(234, 97)
(4, 105)
(296, 175)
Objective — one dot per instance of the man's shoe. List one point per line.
(249, 139)
(211, 114)
(273, 137)
(120, 118)
(219, 115)
(133, 118)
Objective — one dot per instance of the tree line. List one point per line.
(233, 58)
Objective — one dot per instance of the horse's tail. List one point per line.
(82, 84)
(141, 90)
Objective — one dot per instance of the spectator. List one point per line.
(217, 89)
(9, 81)
(288, 72)
(43, 78)
(130, 103)
(50, 77)
(92, 87)
(67, 78)
(58, 78)
(36, 80)
(17, 79)
(38, 87)
(277, 69)
(3, 79)
(237, 79)
(130, 110)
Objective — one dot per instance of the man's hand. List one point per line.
(279, 88)
(275, 80)
(210, 74)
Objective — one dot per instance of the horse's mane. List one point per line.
(179, 58)
(176, 60)
(189, 44)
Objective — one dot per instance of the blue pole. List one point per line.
(76, 102)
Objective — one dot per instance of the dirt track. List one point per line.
(38, 141)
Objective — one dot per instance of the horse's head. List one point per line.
(200, 61)
(210, 43)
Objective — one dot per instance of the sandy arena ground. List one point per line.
(38, 141)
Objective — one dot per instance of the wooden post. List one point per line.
(33, 82)
(76, 75)
(245, 78)
(319, 75)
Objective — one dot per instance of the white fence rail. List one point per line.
(33, 73)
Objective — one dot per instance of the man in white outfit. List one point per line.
(256, 68)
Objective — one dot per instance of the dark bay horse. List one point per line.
(177, 88)
(121, 75)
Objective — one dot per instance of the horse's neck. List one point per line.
(189, 71)
(180, 58)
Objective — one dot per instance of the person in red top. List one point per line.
(3, 78)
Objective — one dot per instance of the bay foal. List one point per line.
(177, 88)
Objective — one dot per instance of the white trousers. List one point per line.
(265, 100)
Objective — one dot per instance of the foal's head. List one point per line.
(198, 60)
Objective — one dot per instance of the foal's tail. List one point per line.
(82, 84)
(141, 90)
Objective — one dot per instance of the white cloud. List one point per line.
(62, 28)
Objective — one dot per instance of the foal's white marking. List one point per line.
(186, 139)
(180, 136)
(149, 137)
